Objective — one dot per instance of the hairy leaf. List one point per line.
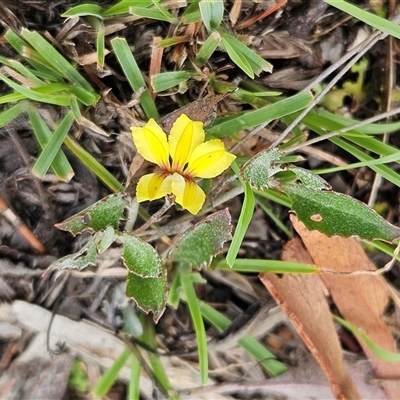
(197, 246)
(338, 214)
(86, 256)
(140, 257)
(106, 212)
(150, 294)
(261, 168)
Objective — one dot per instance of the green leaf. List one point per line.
(98, 25)
(124, 6)
(338, 214)
(212, 12)
(111, 375)
(140, 257)
(104, 239)
(197, 320)
(106, 212)
(149, 294)
(199, 244)
(261, 168)
(309, 179)
(91, 163)
(83, 258)
(36, 94)
(8, 115)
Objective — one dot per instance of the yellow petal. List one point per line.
(209, 159)
(151, 143)
(187, 193)
(184, 137)
(153, 186)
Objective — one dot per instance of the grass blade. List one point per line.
(134, 75)
(251, 345)
(8, 115)
(53, 57)
(229, 126)
(212, 12)
(105, 176)
(373, 20)
(246, 214)
(53, 146)
(107, 380)
(193, 304)
(248, 265)
(35, 94)
(60, 165)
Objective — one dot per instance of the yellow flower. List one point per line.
(181, 158)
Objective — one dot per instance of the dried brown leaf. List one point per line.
(361, 299)
(303, 299)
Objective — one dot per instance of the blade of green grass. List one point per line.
(167, 80)
(332, 122)
(53, 57)
(368, 143)
(84, 10)
(246, 214)
(274, 266)
(98, 24)
(208, 48)
(87, 159)
(35, 95)
(382, 160)
(124, 6)
(370, 19)
(134, 75)
(60, 165)
(263, 356)
(8, 115)
(52, 147)
(250, 119)
(149, 337)
(133, 386)
(241, 52)
(230, 45)
(195, 314)
(377, 350)
(26, 72)
(107, 380)
(212, 12)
